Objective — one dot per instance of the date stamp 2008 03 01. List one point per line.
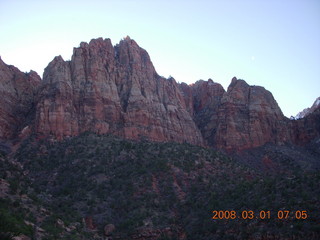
(249, 214)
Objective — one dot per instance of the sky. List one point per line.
(274, 44)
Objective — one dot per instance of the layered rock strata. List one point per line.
(114, 90)
(244, 116)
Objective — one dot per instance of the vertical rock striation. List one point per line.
(203, 99)
(243, 117)
(249, 117)
(114, 90)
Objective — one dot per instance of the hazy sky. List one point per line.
(274, 43)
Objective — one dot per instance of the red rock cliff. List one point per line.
(249, 117)
(17, 99)
(203, 99)
(114, 90)
(244, 116)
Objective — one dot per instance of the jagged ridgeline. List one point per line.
(116, 90)
(97, 186)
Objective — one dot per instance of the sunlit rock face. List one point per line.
(115, 90)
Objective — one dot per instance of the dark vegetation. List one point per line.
(167, 189)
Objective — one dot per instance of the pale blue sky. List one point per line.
(274, 43)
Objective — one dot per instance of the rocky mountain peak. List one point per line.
(116, 90)
(233, 80)
(237, 85)
(58, 59)
(307, 111)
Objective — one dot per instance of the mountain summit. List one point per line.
(116, 90)
(305, 112)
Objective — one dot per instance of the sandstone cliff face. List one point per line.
(249, 117)
(114, 90)
(240, 118)
(17, 101)
(304, 130)
(305, 112)
(204, 100)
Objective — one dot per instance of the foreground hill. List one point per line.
(98, 186)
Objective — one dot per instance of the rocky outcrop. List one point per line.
(242, 117)
(305, 112)
(17, 101)
(249, 117)
(115, 90)
(203, 100)
(304, 130)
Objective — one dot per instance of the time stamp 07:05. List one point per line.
(249, 214)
